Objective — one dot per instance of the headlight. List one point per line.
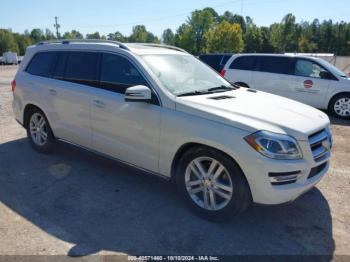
(277, 146)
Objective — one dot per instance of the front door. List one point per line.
(128, 131)
(308, 85)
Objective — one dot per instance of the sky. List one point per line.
(108, 16)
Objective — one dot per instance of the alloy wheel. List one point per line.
(208, 183)
(38, 129)
(342, 107)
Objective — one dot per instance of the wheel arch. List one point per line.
(187, 146)
(27, 109)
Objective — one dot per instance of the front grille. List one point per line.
(316, 170)
(320, 144)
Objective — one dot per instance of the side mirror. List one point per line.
(138, 93)
(326, 75)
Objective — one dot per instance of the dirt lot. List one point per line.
(73, 202)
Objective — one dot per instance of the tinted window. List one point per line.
(277, 65)
(308, 68)
(225, 58)
(82, 68)
(244, 63)
(59, 70)
(117, 74)
(212, 60)
(42, 64)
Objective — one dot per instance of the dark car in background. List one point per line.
(215, 61)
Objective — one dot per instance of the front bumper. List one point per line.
(305, 174)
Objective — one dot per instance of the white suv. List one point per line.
(310, 80)
(160, 109)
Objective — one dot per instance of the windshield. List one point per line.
(332, 68)
(182, 74)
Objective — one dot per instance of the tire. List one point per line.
(231, 177)
(340, 106)
(39, 131)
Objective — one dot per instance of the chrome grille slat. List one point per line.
(318, 138)
(318, 145)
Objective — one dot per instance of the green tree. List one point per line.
(7, 42)
(37, 35)
(185, 38)
(95, 35)
(141, 35)
(225, 37)
(117, 36)
(73, 35)
(22, 42)
(253, 38)
(200, 22)
(168, 37)
(49, 35)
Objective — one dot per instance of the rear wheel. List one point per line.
(212, 184)
(340, 106)
(39, 131)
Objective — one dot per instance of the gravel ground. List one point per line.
(76, 203)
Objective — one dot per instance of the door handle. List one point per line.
(99, 104)
(53, 91)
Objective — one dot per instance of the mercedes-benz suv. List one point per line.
(160, 109)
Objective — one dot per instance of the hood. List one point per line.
(252, 110)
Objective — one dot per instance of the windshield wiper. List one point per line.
(221, 88)
(209, 91)
(195, 93)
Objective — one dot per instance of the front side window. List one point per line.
(81, 68)
(118, 73)
(308, 68)
(181, 74)
(42, 64)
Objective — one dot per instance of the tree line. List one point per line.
(205, 31)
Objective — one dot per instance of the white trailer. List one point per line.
(10, 58)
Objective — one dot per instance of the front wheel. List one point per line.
(212, 184)
(340, 106)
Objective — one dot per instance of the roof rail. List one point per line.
(68, 41)
(165, 46)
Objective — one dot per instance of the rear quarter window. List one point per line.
(42, 64)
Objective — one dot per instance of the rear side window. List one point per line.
(244, 63)
(118, 73)
(277, 65)
(81, 68)
(42, 64)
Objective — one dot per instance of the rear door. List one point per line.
(128, 131)
(308, 85)
(241, 70)
(75, 75)
(273, 75)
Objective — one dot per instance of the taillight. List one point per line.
(223, 72)
(13, 85)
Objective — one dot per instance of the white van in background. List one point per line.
(310, 80)
(10, 58)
